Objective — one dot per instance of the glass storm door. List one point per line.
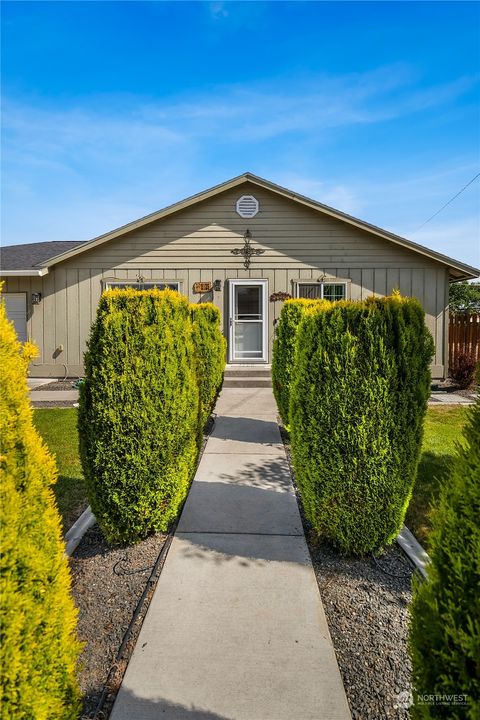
(248, 321)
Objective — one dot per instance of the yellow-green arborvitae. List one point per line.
(139, 412)
(210, 353)
(39, 649)
(445, 610)
(284, 346)
(358, 397)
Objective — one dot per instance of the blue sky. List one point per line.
(112, 110)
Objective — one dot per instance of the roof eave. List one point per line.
(473, 274)
(25, 273)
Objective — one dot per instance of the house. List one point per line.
(236, 245)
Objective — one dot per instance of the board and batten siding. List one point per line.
(195, 245)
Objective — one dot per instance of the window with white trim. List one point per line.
(147, 285)
(321, 290)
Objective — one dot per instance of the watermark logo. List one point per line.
(403, 700)
(446, 699)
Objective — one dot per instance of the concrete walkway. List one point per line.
(450, 398)
(54, 396)
(38, 382)
(236, 628)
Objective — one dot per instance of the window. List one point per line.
(322, 290)
(334, 291)
(149, 285)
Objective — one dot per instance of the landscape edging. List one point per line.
(78, 530)
(411, 547)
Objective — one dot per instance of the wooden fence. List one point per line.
(463, 337)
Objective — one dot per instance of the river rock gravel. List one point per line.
(56, 385)
(367, 613)
(107, 586)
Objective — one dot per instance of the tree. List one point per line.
(139, 412)
(445, 610)
(361, 381)
(464, 297)
(39, 648)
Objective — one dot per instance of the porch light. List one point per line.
(217, 285)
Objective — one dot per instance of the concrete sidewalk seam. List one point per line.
(229, 532)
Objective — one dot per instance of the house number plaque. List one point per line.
(202, 287)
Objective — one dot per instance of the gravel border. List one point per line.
(108, 583)
(367, 613)
(366, 604)
(56, 385)
(450, 386)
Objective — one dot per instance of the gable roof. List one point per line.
(457, 269)
(23, 258)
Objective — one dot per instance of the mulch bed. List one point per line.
(366, 604)
(107, 586)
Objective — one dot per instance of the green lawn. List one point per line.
(59, 430)
(443, 429)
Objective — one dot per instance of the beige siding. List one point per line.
(195, 244)
(202, 237)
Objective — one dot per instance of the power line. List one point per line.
(447, 203)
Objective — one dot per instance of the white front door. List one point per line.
(248, 337)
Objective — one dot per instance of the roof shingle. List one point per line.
(25, 257)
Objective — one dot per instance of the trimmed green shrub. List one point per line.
(139, 412)
(445, 611)
(464, 370)
(39, 649)
(284, 351)
(361, 382)
(210, 352)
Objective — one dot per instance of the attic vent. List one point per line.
(247, 206)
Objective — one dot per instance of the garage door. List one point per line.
(16, 307)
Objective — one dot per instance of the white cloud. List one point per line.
(459, 238)
(84, 168)
(338, 196)
(242, 113)
(218, 10)
(402, 205)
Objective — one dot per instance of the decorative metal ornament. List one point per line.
(247, 251)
